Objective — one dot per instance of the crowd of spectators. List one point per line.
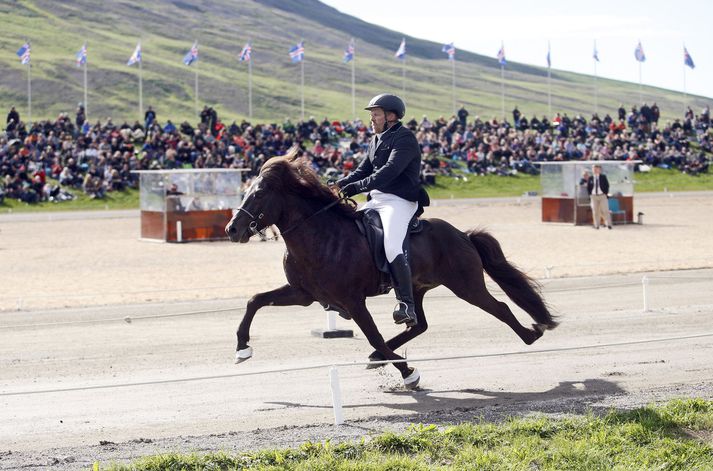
(49, 159)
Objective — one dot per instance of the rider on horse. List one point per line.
(391, 175)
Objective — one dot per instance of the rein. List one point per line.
(261, 232)
(330, 205)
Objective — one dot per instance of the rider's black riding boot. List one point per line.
(405, 311)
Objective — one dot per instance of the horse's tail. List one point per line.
(519, 287)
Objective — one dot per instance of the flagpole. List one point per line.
(302, 86)
(29, 92)
(684, 89)
(403, 76)
(86, 106)
(640, 96)
(141, 91)
(250, 88)
(195, 105)
(502, 90)
(549, 91)
(354, 86)
(453, 68)
(596, 89)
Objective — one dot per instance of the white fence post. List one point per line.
(331, 320)
(336, 395)
(645, 284)
(179, 231)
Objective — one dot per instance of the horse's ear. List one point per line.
(294, 153)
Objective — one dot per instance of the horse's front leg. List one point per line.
(363, 319)
(286, 295)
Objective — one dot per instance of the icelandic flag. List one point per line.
(401, 52)
(595, 54)
(245, 53)
(549, 60)
(639, 53)
(82, 56)
(136, 56)
(687, 59)
(450, 49)
(297, 52)
(349, 52)
(192, 55)
(501, 55)
(24, 53)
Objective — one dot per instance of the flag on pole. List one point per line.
(401, 51)
(549, 60)
(136, 56)
(245, 53)
(24, 53)
(501, 55)
(349, 52)
(595, 54)
(297, 52)
(639, 53)
(450, 49)
(687, 59)
(192, 55)
(82, 56)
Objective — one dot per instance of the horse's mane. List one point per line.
(294, 174)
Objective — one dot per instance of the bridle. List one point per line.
(261, 232)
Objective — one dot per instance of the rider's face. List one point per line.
(378, 120)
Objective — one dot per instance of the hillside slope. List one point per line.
(167, 29)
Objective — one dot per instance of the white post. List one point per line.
(179, 231)
(549, 91)
(331, 320)
(596, 88)
(645, 284)
(641, 100)
(684, 89)
(336, 395)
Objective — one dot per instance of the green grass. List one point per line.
(675, 436)
(489, 186)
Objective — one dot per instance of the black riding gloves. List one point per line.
(351, 189)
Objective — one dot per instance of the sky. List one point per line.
(570, 27)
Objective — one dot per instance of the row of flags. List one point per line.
(297, 52)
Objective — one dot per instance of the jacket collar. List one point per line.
(388, 132)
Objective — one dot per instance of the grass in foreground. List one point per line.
(675, 436)
(472, 186)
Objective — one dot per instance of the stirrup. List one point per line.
(403, 316)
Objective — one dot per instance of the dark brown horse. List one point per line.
(328, 260)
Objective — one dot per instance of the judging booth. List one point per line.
(565, 197)
(188, 204)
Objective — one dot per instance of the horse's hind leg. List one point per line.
(471, 287)
(286, 295)
(363, 319)
(407, 335)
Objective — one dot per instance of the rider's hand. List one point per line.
(351, 190)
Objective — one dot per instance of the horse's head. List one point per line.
(258, 211)
(267, 200)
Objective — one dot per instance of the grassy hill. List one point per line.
(167, 29)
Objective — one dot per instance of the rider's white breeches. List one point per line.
(395, 213)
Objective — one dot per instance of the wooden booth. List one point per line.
(188, 204)
(565, 197)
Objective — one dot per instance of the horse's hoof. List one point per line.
(372, 366)
(412, 380)
(244, 354)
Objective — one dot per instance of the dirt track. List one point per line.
(107, 274)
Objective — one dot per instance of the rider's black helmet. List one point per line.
(388, 102)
